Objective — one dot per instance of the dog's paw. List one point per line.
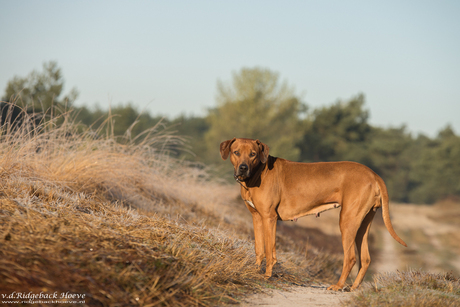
(335, 288)
(269, 274)
(353, 288)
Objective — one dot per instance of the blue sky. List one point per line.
(166, 56)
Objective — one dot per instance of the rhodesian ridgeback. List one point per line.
(277, 189)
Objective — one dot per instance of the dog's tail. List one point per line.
(384, 199)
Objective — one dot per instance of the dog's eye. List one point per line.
(236, 153)
(252, 154)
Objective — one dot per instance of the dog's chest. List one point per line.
(249, 202)
(246, 196)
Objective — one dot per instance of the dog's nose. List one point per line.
(243, 168)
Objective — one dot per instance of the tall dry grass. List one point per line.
(122, 222)
(57, 150)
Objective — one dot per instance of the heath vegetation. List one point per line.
(113, 204)
(124, 223)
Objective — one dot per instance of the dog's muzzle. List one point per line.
(242, 172)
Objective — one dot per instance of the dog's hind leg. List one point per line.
(363, 248)
(349, 231)
(351, 217)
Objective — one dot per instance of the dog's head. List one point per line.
(245, 155)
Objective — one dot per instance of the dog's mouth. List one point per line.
(241, 177)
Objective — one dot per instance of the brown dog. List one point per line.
(276, 189)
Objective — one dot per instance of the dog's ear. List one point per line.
(225, 148)
(263, 151)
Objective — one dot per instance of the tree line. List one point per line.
(257, 104)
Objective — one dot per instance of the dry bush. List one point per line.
(123, 222)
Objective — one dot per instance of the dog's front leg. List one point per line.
(258, 236)
(269, 225)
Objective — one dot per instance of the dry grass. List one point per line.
(125, 224)
(409, 288)
(60, 241)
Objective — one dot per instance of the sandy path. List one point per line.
(389, 259)
(297, 296)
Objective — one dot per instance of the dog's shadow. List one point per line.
(280, 273)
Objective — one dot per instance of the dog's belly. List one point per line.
(287, 213)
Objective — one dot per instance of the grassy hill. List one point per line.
(95, 220)
(122, 223)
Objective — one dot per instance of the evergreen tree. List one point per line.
(256, 105)
(39, 91)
